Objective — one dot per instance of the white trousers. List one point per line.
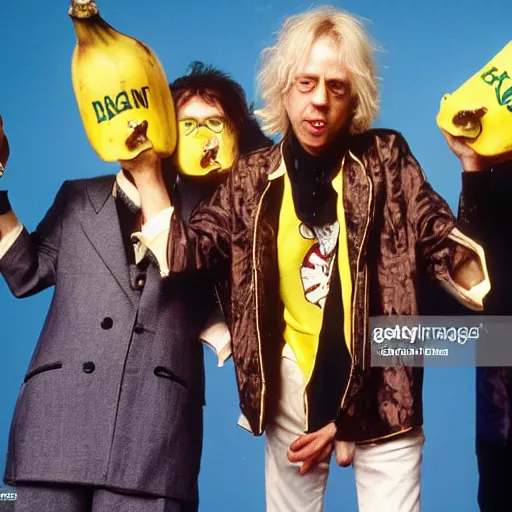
(388, 475)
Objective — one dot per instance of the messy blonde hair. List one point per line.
(294, 41)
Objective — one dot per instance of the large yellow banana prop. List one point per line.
(481, 109)
(121, 89)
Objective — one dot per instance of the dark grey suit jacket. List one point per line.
(114, 392)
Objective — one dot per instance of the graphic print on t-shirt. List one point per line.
(316, 268)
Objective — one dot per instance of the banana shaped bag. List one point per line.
(481, 109)
(121, 89)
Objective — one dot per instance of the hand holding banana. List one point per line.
(479, 113)
(4, 148)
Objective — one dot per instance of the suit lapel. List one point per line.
(101, 226)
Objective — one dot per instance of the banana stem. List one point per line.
(83, 9)
(91, 30)
(89, 25)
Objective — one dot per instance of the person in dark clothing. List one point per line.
(212, 111)
(117, 377)
(485, 212)
(322, 231)
(110, 411)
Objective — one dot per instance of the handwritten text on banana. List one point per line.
(109, 108)
(503, 95)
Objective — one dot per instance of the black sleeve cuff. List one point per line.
(5, 205)
(475, 184)
(472, 181)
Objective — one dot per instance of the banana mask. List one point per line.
(121, 89)
(481, 109)
(204, 147)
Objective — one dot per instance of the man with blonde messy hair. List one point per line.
(322, 230)
(353, 50)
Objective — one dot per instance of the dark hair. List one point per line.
(214, 86)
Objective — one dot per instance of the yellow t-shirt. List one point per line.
(305, 267)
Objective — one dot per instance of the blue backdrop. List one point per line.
(428, 48)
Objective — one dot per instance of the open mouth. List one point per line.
(210, 152)
(317, 125)
(138, 137)
(470, 122)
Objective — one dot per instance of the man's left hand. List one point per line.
(147, 165)
(470, 160)
(310, 449)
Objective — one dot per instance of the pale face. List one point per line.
(320, 104)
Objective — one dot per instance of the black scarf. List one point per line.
(315, 202)
(311, 180)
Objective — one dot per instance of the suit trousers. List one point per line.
(387, 474)
(42, 498)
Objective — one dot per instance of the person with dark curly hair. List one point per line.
(216, 125)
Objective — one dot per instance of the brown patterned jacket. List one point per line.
(397, 226)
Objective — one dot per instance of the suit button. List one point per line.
(88, 367)
(140, 282)
(107, 323)
(139, 328)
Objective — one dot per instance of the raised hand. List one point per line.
(4, 148)
(470, 160)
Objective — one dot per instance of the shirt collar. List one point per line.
(125, 190)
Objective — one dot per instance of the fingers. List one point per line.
(327, 432)
(330, 430)
(470, 160)
(323, 455)
(307, 445)
(345, 452)
(306, 466)
(326, 453)
(308, 450)
(302, 441)
(457, 143)
(449, 137)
